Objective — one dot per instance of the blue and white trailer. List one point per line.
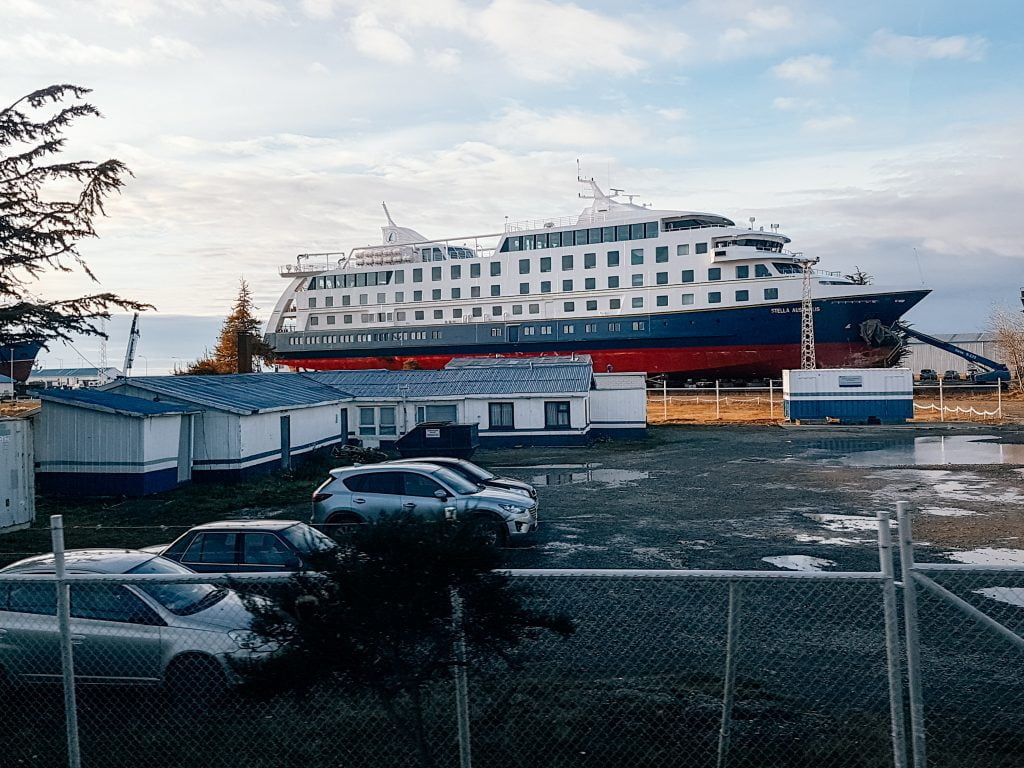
(849, 395)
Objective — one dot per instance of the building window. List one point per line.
(638, 302)
(364, 299)
(639, 325)
(714, 297)
(439, 314)
(590, 283)
(545, 286)
(367, 421)
(590, 328)
(567, 285)
(545, 330)
(456, 293)
(346, 300)
(771, 293)
(517, 309)
(457, 313)
(399, 277)
(613, 281)
(761, 270)
(478, 311)
(329, 301)
(592, 305)
(589, 260)
(496, 310)
(495, 290)
(347, 319)
(545, 264)
(683, 250)
(742, 295)
(495, 332)
(501, 415)
(742, 271)
(566, 262)
(661, 278)
(456, 271)
(399, 297)
(715, 273)
(638, 281)
(524, 288)
(417, 295)
(524, 266)
(636, 256)
(312, 302)
(495, 268)
(435, 273)
(436, 413)
(614, 303)
(314, 320)
(417, 275)
(613, 258)
(534, 309)
(662, 301)
(568, 328)
(529, 330)
(700, 248)
(436, 294)
(556, 414)
(331, 319)
(661, 254)
(418, 315)
(474, 270)
(614, 327)
(570, 306)
(687, 298)
(687, 276)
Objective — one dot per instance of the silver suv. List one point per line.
(178, 635)
(359, 494)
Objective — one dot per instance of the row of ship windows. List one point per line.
(742, 272)
(620, 233)
(527, 330)
(568, 261)
(636, 302)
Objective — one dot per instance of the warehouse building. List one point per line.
(6, 387)
(73, 378)
(17, 480)
(926, 356)
(92, 443)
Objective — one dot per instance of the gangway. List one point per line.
(996, 371)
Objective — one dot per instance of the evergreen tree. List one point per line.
(46, 207)
(241, 319)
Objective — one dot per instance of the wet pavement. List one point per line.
(770, 498)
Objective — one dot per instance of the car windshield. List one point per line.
(179, 599)
(455, 481)
(478, 473)
(306, 539)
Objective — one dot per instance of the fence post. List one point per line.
(461, 682)
(67, 659)
(892, 641)
(771, 397)
(664, 398)
(917, 735)
(942, 404)
(999, 399)
(718, 402)
(729, 685)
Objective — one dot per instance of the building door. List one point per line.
(343, 425)
(286, 442)
(513, 334)
(185, 449)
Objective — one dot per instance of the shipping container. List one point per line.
(17, 479)
(849, 395)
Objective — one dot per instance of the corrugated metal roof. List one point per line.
(240, 392)
(73, 373)
(960, 338)
(460, 381)
(6, 379)
(94, 399)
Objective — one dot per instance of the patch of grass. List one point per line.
(118, 522)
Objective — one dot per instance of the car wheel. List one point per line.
(195, 681)
(491, 531)
(340, 527)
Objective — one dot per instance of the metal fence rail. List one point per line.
(723, 669)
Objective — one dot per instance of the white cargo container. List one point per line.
(17, 479)
(849, 395)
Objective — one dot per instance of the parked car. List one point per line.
(180, 636)
(951, 376)
(927, 374)
(354, 495)
(475, 474)
(233, 546)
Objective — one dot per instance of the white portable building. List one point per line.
(849, 395)
(17, 475)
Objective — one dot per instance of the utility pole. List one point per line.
(808, 362)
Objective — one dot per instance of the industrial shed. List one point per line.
(251, 423)
(91, 443)
(515, 401)
(17, 480)
(6, 387)
(72, 377)
(926, 356)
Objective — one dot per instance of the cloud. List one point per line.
(27, 9)
(828, 124)
(519, 127)
(808, 70)
(260, 9)
(66, 50)
(888, 45)
(445, 59)
(318, 9)
(672, 115)
(792, 104)
(774, 19)
(372, 39)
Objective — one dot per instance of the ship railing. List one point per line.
(559, 221)
(311, 264)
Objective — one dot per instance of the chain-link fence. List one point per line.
(664, 668)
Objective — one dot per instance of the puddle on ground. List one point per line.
(799, 562)
(847, 523)
(989, 556)
(934, 449)
(1008, 595)
(948, 512)
(610, 477)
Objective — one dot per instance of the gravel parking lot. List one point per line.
(730, 497)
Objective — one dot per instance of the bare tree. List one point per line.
(1008, 327)
(859, 277)
(46, 207)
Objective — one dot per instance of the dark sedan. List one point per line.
(233, 546)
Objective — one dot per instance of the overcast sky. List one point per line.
(884, 135)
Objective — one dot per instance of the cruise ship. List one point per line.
(635, 288)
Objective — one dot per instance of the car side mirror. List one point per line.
(439, 494)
